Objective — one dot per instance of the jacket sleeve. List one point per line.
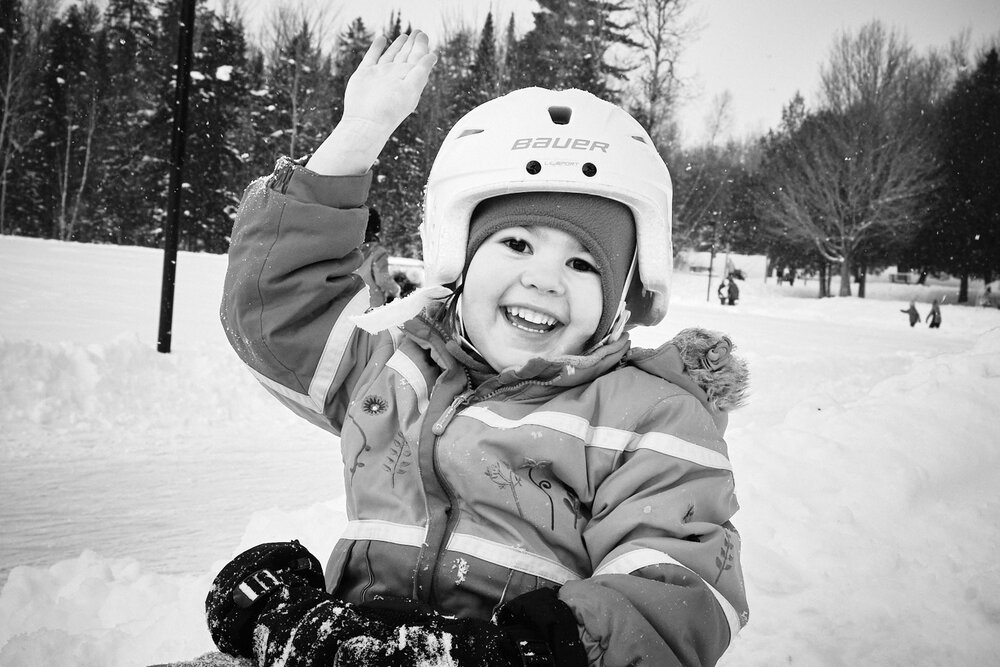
(291, 290)
(667, 586)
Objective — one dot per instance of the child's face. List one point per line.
(530, 292)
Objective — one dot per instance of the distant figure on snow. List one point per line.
(732, 291)
(913, 313)
(986, 298)
(935, 315)
(724, 291)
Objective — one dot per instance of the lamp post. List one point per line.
(185, 40)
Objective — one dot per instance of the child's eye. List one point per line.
(517, 245)
(582, 265)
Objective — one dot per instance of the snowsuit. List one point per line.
(934, 316)
(913, 313)
(596, 475)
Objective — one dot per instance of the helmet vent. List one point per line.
(638, 138)
(560, 115)
(466, 133)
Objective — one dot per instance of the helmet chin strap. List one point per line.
(617, 327)
(458, 325)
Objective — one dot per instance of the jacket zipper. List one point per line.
(465, 398)
(442, 423)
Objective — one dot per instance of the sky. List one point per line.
(760, 51)
(865, 462)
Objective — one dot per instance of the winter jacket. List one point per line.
(593, 474)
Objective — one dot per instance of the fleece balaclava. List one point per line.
(603, 226)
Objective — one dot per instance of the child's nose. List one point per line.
(539, 275)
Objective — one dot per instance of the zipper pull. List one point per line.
(442, 423)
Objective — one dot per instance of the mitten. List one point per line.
(533, 629)
(269, 604)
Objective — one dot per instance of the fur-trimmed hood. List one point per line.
(702, 362)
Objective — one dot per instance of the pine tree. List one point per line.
(485, 74)
(568, 47)
(24, 42)
(351, 47)
(510, 68)
(962, 233)
(131, 152)
(218, 92)
(401, 172)
(300, 82)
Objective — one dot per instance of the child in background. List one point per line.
(935, 315)
(913, 313)
(523, 487)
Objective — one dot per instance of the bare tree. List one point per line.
(662, 33)
(69, 212)
(859, 167)
(302, 69)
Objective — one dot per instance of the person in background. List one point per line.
(912, 312)
(732, 291)
(935, 315)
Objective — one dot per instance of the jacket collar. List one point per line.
(430, 330)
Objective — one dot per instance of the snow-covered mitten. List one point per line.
(533, 629)
(269, 604)
(243, 586)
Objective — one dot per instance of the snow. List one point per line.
(867, 465)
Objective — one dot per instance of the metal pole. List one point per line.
(711, 261)
(185, 40)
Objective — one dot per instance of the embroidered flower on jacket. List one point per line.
(374, 405)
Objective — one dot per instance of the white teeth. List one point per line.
(532, 316)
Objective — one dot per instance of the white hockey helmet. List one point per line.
(536, 139)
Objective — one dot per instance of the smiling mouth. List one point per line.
(529, 320)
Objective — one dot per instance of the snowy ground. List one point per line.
(867, 464)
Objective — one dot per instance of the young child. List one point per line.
(934, 317)
(523, 487)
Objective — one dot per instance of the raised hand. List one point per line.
(386, 87)
(380, 94)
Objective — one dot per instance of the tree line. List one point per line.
(895, 164)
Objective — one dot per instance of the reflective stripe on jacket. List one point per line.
(590, 474)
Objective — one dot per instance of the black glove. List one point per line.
(269, 604)
(533, 629)
(270, 599)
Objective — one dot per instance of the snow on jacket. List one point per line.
(592, 474)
